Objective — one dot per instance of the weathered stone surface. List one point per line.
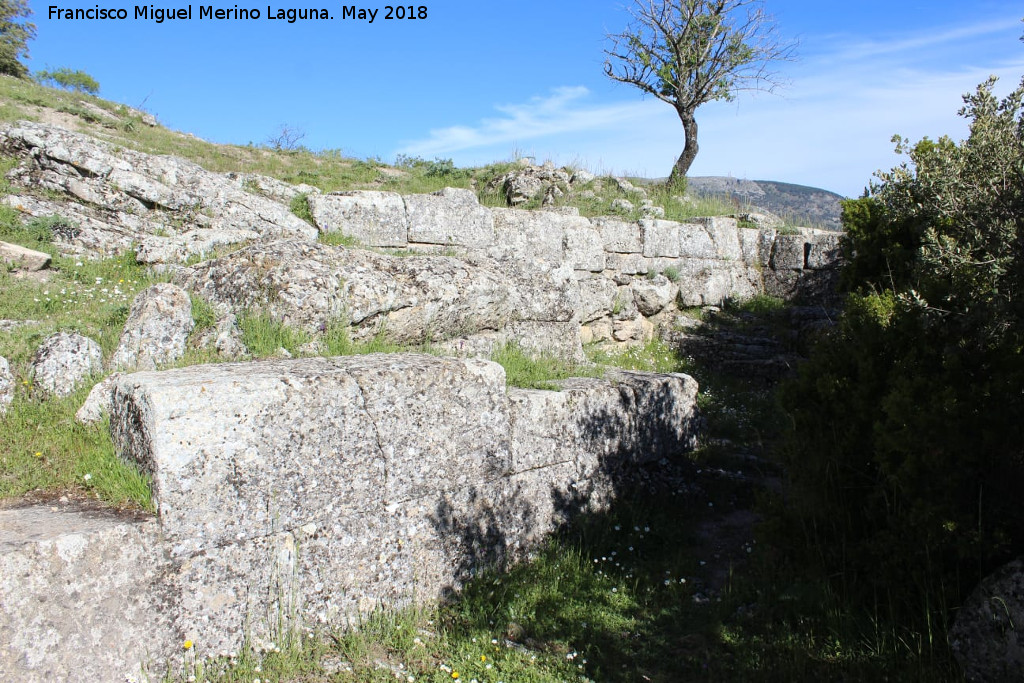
(756, 246)
(597, 297)
(312, 285)
(449, 217)
(375, 219)
(97, 404)
(531, 182)
(63, 361)
(789, 252)
(600, 425)
(618, 236)
(156, 330)
(986, 637)
(761, 221)
(661, 238)
(696, 242)
(553, 338)
(80, 599)
(127, 197)
(6, 385)
(653, 295)
(22, 258)
(271, 187)
(524, 235)
(724, 234)
(825, 250)
(628, 264)
(584, 248)
(708, 282)
(239, 451)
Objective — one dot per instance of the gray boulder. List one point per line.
(450, 217)
(986, 637)
(156, 330)
(63, 361)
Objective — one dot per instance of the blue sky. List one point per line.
(481, 81)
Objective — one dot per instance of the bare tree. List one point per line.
(691, 52)
(286, 139)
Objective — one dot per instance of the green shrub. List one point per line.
(300, 207)
(78, 81)
(908, 420)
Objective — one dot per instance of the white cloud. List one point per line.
(564, 111)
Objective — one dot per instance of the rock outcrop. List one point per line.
(170, 208)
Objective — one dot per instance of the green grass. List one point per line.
(44, 448)
(264, 336)
(536, 371)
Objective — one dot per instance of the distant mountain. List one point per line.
(799, 205)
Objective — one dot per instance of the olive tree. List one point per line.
(691, 52)
(15, 33)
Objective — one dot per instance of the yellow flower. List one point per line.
(187, 645)
(39, 454)
(455, 674)
(483, 658)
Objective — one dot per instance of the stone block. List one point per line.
(825, 251)
(618, 236)
(584, 247)
(522, 235)
(661, 238)
(449, 217)
(789, 252)
(246, 450)
(375, 219)
(696, 242)
(81, 598)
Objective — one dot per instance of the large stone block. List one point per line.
(825, 251)
(81, 598)
(450, 217)
(375, 219)
(789, 252)
(522, 235)
(661, 238)
(619, 236)
(696, 242)
(724, 233)
(756, 245)
(240, 451)
(17, 256)
(584, 248)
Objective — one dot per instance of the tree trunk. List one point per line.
(690, 147)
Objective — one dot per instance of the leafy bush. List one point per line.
(78, 81)
(908, 420)
(300, 207)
